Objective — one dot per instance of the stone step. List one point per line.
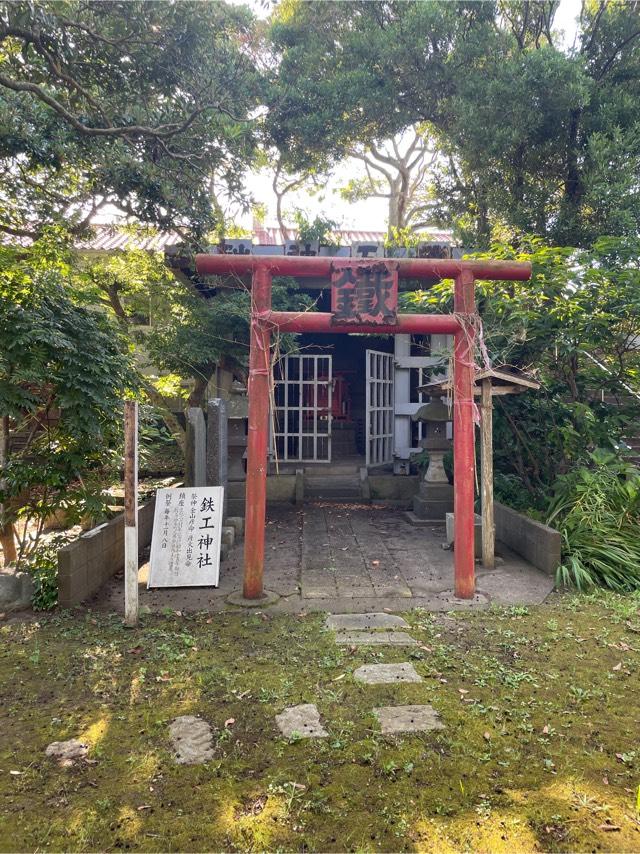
(399, 719)
(335, 467)
(375, 639)
(338, 497)
(332, 486)
(386, 674)
(360, 622)
(331, 480)
(334, 494)
(339, 487)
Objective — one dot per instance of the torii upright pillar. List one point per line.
(258, 435)
(463, 435)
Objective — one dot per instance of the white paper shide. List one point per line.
(185, 548)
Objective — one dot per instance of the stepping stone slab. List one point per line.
(67, 752)
(375, 639)
(302, 721)
(397, 719)
(359, 622)
(192, 740)
(384, 674)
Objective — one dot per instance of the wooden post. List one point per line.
(486, 441)
(258, 436)
(130, 513)
(464, 439)
(7, 540)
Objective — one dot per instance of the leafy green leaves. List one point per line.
(131, 103)
(597, 508)
(63, 374)
(533, 137)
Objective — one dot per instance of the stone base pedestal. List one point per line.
(477, 532)
(433, 501)
(268, 598)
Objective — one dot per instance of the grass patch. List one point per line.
(540, 750)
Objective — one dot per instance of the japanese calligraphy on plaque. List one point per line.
(365, 293)
(185, 548)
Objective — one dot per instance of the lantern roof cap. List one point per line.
(504, 380)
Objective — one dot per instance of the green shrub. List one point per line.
(597, 510)
(42, 564)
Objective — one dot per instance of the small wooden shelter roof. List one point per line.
(503, 381)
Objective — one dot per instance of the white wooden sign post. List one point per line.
(130, 512)
(187, 527)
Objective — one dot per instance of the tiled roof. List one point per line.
(270, 236)
(108, 238)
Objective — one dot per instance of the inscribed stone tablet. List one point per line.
(185, 549)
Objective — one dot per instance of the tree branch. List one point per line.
(160, 132)
(613, 56)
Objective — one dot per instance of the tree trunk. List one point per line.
(7, 540)
(572, 184)
(572, 175)
(393, 222)
(8, 543)
(403, 199)
(199, 388)
(483, 226)
(280, 217)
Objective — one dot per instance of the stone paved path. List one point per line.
(372, 553)
(348, 558)
(352, 554)
(378, 629)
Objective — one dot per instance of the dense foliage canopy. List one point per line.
(533, 136)
(63, 373)
(574, 326)
(143, 105)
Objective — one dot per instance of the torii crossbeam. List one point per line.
(460, 324)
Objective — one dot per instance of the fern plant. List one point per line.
(597, 510)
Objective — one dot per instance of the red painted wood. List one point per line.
(258, 437)
(463, 439)
(263, 319)
(408, 268)
(322, 322)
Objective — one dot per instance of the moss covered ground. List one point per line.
(541, 749)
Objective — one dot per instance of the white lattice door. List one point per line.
(302, 398)
(379, 399)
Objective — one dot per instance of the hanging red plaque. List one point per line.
(365, 293)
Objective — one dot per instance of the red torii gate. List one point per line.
(263, 320)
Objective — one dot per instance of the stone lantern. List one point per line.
(488, 383)
(435, 498)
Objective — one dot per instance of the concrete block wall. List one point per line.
(85, 565)
(281, 489)
(535, 542)
(393, 489)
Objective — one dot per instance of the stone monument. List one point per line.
(196, 448)
(217, 454)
